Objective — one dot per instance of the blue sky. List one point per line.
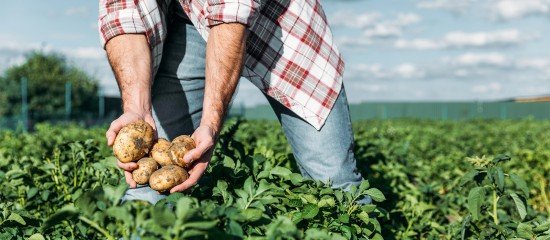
(395, 50)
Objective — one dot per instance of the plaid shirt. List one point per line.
(290, 54)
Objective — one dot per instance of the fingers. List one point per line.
(115, 126)
(131, 166)
(130, 179)
(199, 151)
(196, 174)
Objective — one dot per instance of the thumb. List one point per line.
(151, 121)
(197, 153)
(112, 131)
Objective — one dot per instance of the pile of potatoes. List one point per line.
(159, 163)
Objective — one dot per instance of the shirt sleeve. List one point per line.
(117, 17)
(231, 11)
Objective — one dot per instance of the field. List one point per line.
(429, 179)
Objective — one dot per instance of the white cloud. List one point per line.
(459, 39)
(77, 11)
(85, 52)
(513, 9)
(486, 88)
(408, 70)
(377, 71)
(477, 59)
(418, 44)
(354, 20)
(372, 26)
(456, 6)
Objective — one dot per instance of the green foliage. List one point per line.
(60, 182)
(47, 75)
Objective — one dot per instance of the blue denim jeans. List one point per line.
(177, 97)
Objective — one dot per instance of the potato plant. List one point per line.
(428, 180)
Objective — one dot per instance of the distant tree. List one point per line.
(47, 74)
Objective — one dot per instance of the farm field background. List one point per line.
(478, 179)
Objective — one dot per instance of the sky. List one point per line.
(394, 50)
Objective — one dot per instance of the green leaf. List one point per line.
(344, 218)
(182, 208)
(281, 171)
(17, 218)
(36, 236)
(364, 217)
(475, 201)
(310, 211)
(468, 177)
(204, 225)
(520, 183)
(497, 176)
(525, 231)
(376, 194)
(235, 229)
(501, 158)
(32, 192)
(66, 213)
(252, 214)
(520, 205)
(364, 185)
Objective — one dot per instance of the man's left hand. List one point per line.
(198, 158)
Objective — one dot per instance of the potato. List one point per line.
(133, 141)
(167, 177)
(178, 149)
(185, 139)
(160, 152)
(146, 167)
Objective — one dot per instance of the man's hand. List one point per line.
(130, 58)
(199, 157)
(114, 128)
(224, 59)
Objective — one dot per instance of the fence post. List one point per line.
(101, 103)
(444, 112)
(24, 103)
(68, 100)
(503, 111)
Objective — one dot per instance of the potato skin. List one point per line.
(160, 152)
(167, 177)
(185, 139)
(178, 150)
(133, 141)
(146, 167)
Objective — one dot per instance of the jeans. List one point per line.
(177, 96)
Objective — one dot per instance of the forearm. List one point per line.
(224, 59)
(130, 59)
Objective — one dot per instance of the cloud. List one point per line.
(374, 26)
(353, 20)
(486, 88)
(514, 9)
(459, 39)
(377, 71)
(484, 59)
(455, 6)
(77, 11)
(85, 52)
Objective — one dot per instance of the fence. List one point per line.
(428, 110)
(109, 107)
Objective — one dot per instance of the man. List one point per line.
(196, 51)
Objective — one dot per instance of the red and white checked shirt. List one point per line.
(290, 55)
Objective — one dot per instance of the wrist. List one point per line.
(213, 126)
(139, 103)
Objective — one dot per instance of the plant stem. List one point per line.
(495, 201)
(97, 227)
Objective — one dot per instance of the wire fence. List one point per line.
(108, 108)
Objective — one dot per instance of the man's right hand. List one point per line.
(115, 127)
